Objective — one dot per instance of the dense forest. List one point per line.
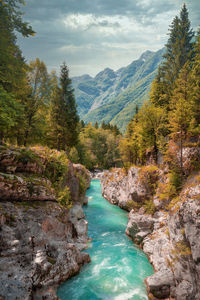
(39, 108)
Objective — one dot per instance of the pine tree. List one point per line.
(178, 51)
(159, 94)
(36, 100)
(195, 86)
(70, 108)
(116, 130)
(103, 125)
(179, 46)
(9, 113)
(56, 119)
(186, 36)
(180, 113)
(82, 124)
(11, 61)
(63, 114)
(12, 66)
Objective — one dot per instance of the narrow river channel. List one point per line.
(118, 268)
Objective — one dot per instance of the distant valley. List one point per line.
(112, 96)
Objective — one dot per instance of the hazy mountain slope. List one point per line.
(138, 94)
(111, 96)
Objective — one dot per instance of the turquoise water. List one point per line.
(118, 268)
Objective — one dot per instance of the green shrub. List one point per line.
(25, 155)
(64, 198)
(82, 184)
(56, 168)
(175, 178)
(149, 207)
(133, 205)
(148, 176)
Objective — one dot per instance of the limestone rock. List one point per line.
(23, 188)
(40, 241)
(139, 226)
(159, 283)
(171, 237)
(120, 188)
(38, 249)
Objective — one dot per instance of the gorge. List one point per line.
(118, 267)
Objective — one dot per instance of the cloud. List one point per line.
(91, 35)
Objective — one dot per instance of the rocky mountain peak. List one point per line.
(146, 55)
(106, 73)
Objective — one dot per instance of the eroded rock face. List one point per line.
(170, 238)
(24, 188)
(139, 226)
(29, 175)
(119, 188)
(39, 247)
(40, 241)
(173, 248)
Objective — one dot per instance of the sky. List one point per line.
(90, 35)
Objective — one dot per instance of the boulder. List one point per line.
(38, 249)
(139, 226)
(159, 283)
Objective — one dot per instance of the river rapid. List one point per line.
(118, 267)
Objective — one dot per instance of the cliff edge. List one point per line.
(166, 227)
(42, 224)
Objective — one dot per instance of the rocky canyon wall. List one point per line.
(168, 230)
(42, 224)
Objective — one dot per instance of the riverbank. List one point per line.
(42, 224)
(118, 268)
(167, 230)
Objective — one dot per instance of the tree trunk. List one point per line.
(26, 137)
(28, 130)
(181, 154)
(155, 150)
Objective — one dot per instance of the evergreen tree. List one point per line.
(116, 130)
(56, 119)
(180, 113)
(194, 90)
(12, 65)
(63, 114)
(82, 124)
(103, 125)
(36, 100)
(186, 37)
(179, 46)
(96, 125)
(178, 51)
(9, 113)
(159, 94)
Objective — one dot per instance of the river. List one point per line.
(118, 268)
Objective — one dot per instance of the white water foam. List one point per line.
(129, 295)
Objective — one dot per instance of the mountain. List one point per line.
(112, 96)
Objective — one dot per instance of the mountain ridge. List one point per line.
(111, 96)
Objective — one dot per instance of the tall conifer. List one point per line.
(63, 116)
(195, 85)
(178, 50)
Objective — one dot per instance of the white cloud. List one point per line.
(92, 35)
(103, 24)
(74, 48)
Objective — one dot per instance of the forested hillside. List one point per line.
(169, 122)
(112, 96)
